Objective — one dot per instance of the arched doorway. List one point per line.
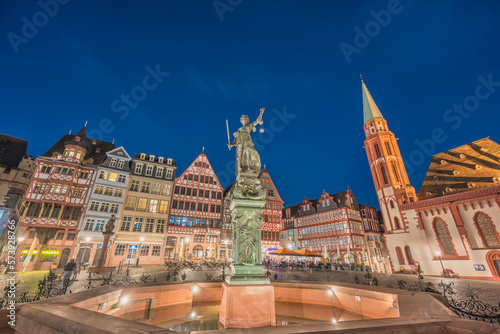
(64, 257)
(493, 259)
(198, 252)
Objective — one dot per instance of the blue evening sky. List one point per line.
(226, 58)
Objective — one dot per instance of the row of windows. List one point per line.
(190, 221)
(202, 178)
(273, 206)
(270, 235)
(94, 225)
(191, 206)
(138, 224)
(114, 177)
(143, 204)
(110, 191)
(64, 170)
(148, 187)
(155, 250)
(118, 163)
(73, 153)
(57, 189)
(52, 210)
(345, 240)
(326, 227)
(104, 207)
(335, 214)
(149, 171)
(194, 192)
(271, 219)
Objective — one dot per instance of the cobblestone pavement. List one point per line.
(488, 291)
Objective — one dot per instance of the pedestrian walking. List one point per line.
(68, 270)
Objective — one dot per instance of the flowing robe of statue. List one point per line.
(247, 157)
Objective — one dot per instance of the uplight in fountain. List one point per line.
(123, 300)
(195, 289)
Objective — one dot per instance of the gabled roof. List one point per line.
(117, 151)
(89, 144)
(340, 200)
(276, 196)
(370, 109)
(471, 166)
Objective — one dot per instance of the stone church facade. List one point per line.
(455, 217)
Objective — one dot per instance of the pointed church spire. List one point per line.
(370, 109)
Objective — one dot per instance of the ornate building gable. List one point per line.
(268, 184)
(117, 158)
(468, 167)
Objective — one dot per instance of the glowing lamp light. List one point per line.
(124, 300)
(438, 253)
(330, 292)
(35, 251)
(195, 288)
(141, 239)
(334, 321)
(193, 315)
(20, 239)
(87, 239)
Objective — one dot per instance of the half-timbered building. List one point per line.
(195, 214)
(55, 200)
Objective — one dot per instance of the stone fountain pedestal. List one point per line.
(247, 306)
(247, 296)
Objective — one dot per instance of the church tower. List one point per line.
(386, 164)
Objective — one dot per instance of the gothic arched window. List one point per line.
(401, 259)
(486, 230)
(377, 150)
(395, 171)
(384, 175)
(444, 237)
(396, 222)
(408, 255)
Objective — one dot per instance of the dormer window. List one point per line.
(169, 161)
(97, 150)
(428, 194)
(470, 184)
(119, 153)
(443, 162)
(436, 178)
(55, 155)
(78, 156)
(462, 156)
(151, 158)
(478, 167)
(121, 163)
(455, 172)
(496, 179)
(77, 138)
(91, 161)
(448, 190)
(484, 149)
(138, 169)
(143, 156)
(94, 142)
(160, 159)
(112, 163)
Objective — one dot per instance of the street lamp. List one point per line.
(438, 253)
(141, 239)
